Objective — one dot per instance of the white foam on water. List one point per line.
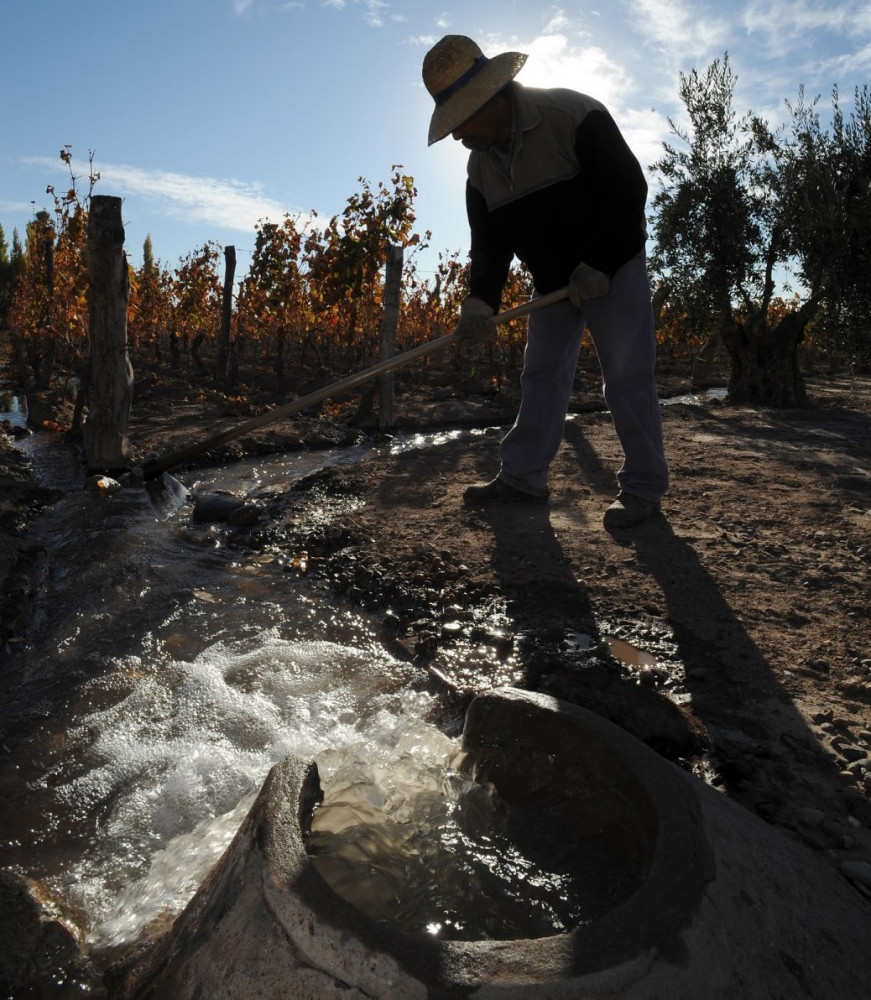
(173, 767)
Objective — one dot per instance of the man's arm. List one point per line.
(614, 189)
(491, 257)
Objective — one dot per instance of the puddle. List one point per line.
(626, 653)
(719, 392)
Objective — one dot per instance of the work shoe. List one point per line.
(498, 491)
(627, 511)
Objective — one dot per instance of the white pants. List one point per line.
(621, 325)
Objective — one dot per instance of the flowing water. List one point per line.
(161, 677)
(163, 674)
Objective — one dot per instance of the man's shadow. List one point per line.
(562, 651)
(758, 735)
(726, 673)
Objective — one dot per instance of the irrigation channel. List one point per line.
(163, 674)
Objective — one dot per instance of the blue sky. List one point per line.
(207, 115)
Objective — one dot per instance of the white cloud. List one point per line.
(374, 11)
(555, 62)
(228, 204)
(558, 22)
(644, 131)
(851, 65)
(830, 41)
(780, 20)
(680, 28)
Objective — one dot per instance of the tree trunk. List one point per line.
(107, 448)
(200, 365)
(765, 369)
(226, 313)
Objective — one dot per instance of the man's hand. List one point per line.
(586, 283)
(476, 321)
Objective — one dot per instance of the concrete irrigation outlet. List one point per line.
(730, 907)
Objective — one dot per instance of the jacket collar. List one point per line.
(525, 114)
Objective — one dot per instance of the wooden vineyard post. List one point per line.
(107, 448)
(226, 313)
(389, 322)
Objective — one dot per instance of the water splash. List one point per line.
(171, 769)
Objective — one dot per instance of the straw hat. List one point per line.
(461, 79)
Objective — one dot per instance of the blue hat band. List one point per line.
(477, 65)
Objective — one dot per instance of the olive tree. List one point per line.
(723, 234)
(826, 179)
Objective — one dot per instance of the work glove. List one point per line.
(476, 321)
(585, 283)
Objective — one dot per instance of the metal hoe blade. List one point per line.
(166, 494)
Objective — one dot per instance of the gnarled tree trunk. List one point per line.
(107, 448)
(765, 369)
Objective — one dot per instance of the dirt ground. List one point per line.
(742, 608)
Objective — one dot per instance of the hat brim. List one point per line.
(471, 97)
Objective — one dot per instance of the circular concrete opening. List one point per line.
(514, 836)
(576, 787)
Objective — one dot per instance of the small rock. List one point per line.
(102, 484)
(647, 676)
(216, 507)
(247, 514)
(392, 623)
(811, 817)
(36, 942)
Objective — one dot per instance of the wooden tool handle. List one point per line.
(154, 466)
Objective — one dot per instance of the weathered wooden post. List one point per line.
(107, 448)
(44, 359)
(226, 313)
(389, 322)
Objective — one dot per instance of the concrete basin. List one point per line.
(729, 906)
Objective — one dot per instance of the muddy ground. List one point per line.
(743, 606)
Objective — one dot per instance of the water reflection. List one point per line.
(424, 840)
(13, 408)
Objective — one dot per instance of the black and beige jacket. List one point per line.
(569, 191)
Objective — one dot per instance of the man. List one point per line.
(552, 182)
